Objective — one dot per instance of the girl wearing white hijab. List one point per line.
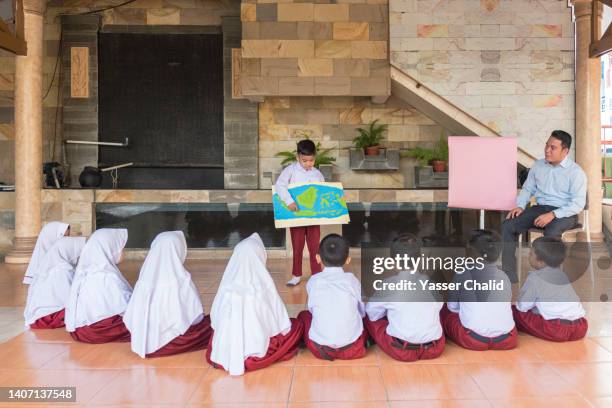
(50, 289)
(165, 315)
(49, 234)
(251, 327)
(99, 294)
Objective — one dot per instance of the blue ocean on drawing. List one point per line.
(313, 201)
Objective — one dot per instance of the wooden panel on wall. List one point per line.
(79, 74)
(236, 69)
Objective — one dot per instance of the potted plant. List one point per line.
(369, 139)
(440, 155)
(437, 157)
(422, 154)
(323, 160)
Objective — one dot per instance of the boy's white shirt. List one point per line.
(491, 318)
(295, 173)
(409, 320)
(334, 299)
(545, 294)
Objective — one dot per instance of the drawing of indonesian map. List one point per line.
(318, 204)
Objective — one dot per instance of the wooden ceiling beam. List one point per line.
(599, 45)
(14, 42)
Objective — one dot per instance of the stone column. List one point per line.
(588, 122)
(28, 135)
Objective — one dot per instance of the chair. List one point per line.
(581, 226)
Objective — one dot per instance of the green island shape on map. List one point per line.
(307, 198)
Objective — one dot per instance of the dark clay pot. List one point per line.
(91, 177)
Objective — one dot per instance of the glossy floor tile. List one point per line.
(510, 380)
(337, 383)
(536, 374)
(429, 382)
(541, 402)
(441, 404)
(589, 379)
(151, 385)
(270, 385)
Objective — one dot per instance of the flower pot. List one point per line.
(438, 166)
(372, 150)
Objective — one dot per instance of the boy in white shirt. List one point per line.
(303, 171)
(481, 319)
(406, 326)
(547, 306)
(333, 323)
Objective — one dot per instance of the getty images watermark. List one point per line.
(443, 273)
(404, 264)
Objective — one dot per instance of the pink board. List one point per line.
(482, 172)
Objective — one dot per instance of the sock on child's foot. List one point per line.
(294, 281)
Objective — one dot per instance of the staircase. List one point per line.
(443, 111)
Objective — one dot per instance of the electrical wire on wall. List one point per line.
(59, 64)
(108, 7)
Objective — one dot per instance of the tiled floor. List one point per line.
(536, 374)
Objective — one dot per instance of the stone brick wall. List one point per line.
(7, 113)
(239, 120)
(309, 48)
(333, 120)
(80, 115)
(141, 12)
(7, 220)
(72, 206)
(508, 63)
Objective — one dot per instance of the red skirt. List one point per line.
(356, 349)
(195, 338)
(399, 349)
(552, 330)
(281, 348)
(50, 321)
(105, 331)
(470, 340)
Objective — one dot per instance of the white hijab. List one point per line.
(50, 289)
(165, 302)
(247, 309)
(98, 290)
(49, 234)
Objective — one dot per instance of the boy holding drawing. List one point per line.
(303, 171)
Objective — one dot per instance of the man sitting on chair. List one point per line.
(559, 187)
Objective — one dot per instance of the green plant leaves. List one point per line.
(372, 136)
(323, 156)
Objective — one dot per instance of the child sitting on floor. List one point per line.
(406, 326)
(48, 235)
(99, 293)
(333, 323)
(49, 291)
(251, 327)
(475, 318)
(547, 306)
(165, 314)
